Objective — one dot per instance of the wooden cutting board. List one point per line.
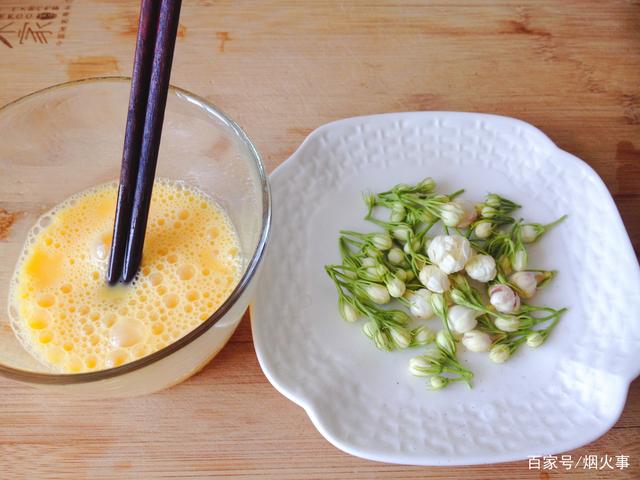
(282, 68)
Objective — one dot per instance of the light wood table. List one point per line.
(280, 69)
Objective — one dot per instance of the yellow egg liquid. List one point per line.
(66, 315)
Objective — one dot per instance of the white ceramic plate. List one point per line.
(544, 401)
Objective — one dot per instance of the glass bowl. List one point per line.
(69, 137)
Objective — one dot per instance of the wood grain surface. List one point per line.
(282, 68)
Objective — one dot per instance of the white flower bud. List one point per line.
(483, 230)
(504, 299)
(349, 312)
(409, 275)
(488, 212)
(481, 268)
(382, 241)
(434, 279)
(451, 214)
(372, 251)
(382, 341)
(449, 252)
(525, 282)
(535, 339)
(413, 245)
(423, 335)
(418, 365)
(376, 273)
(499, 354)
(350, 274)
(469, 215)
(401, 336)
(444, 340)
(493, 200)
(476, 341)
(401, 274)
(369, 262)
(377, 293)
(402, 232)
(438, 382)
(395, 256)
(420, 304)
(438, 304)
(528, 234)
(396, 287)
(398, 212)
(462, 319)
(370, 328)
(520, 260)
(426, 185)
(508, 324)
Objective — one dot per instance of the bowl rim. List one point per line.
(252, 266)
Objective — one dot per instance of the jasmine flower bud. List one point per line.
(395, 256)
(519, 260)
(409, 275)
(350, 274)
(444, 341)
(402, 232)
(481, 267)
(376, 273)
(469, 213)
(525, 282)
(372, 251)
(395, 286)
(488, 212)
(462, 319)
(419, 366)
(451, 214)
(412, 246)
(528, 234)
(504, 299)
(476, 341)
(420, 304)
(400, 317)
(401, 274)
(383, 341)
(535, 339)
(427, 185)
(505, 264)
(438, 382)
(398, 212)
(458, 297)
(493, 200)
(401, 336)
(381, 241)
(369, 262)
(370, 329)
(348, 311)
(483, 230)
(377, 293)
(434, 279)
(449, 252)
(508, 324)
(500, 353)
(423, 335)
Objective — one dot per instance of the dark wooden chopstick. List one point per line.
(149, 88)
(143, 59)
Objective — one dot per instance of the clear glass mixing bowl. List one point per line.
(69, 137)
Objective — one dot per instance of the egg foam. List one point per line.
(68, 318)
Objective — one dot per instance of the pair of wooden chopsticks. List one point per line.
(157, 30)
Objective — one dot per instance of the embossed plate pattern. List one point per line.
(544, 401)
